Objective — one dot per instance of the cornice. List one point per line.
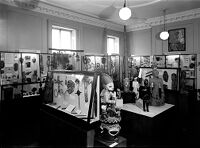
(48, 9)
(52, 10)
(171, 18)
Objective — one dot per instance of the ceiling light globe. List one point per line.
(125, 13)
(164, 35)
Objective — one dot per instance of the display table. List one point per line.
(59, 129)
(153, 110)
(138, 125)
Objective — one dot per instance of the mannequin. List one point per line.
(156, 88)
(136, 87)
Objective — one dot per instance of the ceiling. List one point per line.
(141, 9)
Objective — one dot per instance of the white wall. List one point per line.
(23, 29)
(146, 42)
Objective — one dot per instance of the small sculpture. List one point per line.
(110, 116)
(126, 84)
(136, 87)
(145, 95)
(156, 88)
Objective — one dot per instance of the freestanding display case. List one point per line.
(74, 110)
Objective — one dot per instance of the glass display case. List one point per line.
(109, 64)
(95, 63)
(66, 59)
(77, 94)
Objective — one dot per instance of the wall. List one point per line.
(147, 42)
(23, 29)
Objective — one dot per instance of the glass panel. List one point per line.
(30, 68)
(45, 65)
(72, 94)
(31, 90)
(159, 61)
(89, 62)
(10, 68)
(172, 61)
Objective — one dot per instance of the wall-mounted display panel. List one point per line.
(146, 61)
(10, 65)
(172, 61)
(30, 68)
(159, 61)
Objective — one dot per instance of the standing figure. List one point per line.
(110, 113)
(126, 85)
(145, 95)
(136, 87)
(48, 89)
(156, 88)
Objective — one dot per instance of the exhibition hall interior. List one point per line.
(99, 73)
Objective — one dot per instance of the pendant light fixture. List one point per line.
(164, 35)
(125, 12)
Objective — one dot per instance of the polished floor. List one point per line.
(20, 127)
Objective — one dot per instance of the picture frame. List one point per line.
(177, 41)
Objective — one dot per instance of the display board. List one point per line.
(159, 61)
(169, 77)
(172, 61)
(146, 61)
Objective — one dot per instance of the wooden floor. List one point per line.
(20, 126)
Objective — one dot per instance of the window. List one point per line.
(63, 38)
(112, 45)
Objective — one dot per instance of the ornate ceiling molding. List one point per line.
(52, 10)
(48, 9)
(171, 18)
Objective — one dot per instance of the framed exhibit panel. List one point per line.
(146, 61)
(188, 64)
(170, 78)
(177, 41)
(172, 61)
(77, 94)
(159, 61)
